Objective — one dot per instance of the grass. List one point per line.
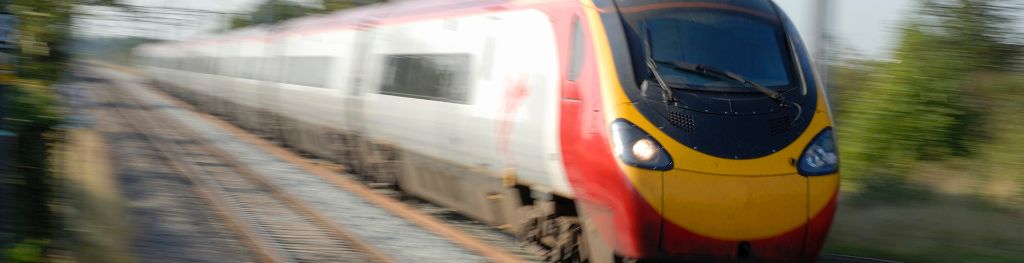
(937, 227)
(27, 251)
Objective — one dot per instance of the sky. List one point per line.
(866, 26)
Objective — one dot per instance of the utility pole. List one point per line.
(8, 139)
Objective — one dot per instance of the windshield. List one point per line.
(744, 44)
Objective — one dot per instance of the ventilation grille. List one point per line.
(779, 125)
(681, 121)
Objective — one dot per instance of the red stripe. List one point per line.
(601, 190)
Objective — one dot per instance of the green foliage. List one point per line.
(239, 21)
(31, 112)
(275, 11)
(334, 5)
(31, 107)
(28, 251)
(931, 140)
(33, 115)
(922, 107)
(44, 29)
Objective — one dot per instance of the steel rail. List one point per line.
(254, 241)
(388, 203)
(235, 165)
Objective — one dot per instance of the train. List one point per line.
(593, 130)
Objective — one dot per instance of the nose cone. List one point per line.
(734, 217)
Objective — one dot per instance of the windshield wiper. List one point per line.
(706, 70)
(666, 92)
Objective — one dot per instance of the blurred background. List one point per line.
(928, 97)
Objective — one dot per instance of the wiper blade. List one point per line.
(666, 92)
(706, 70)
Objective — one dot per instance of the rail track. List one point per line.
(277, 226)
(485, 240)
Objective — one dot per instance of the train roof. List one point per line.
(354, 17)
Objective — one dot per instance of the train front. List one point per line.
(720, 132)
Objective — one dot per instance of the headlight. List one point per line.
(637, 148)
(820, 157)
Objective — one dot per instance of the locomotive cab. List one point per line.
(720, 130)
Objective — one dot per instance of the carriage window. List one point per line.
(206, 65)
(576, 59)
(229, 66)
(440, 77)
(250, 68)
(306, 71)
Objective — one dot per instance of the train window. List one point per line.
(266, 69)
(236, 70)
(194, 64)
(748, 45)
(242, 66)
(250, 66)
(228, 66)
(306, 71)
(215, 64)
(440, 77)
(206, 65)
(576, 57)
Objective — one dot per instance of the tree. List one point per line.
(335, 5)
(919, 107)
(275, 11)
(43, 37)
(240, 21)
